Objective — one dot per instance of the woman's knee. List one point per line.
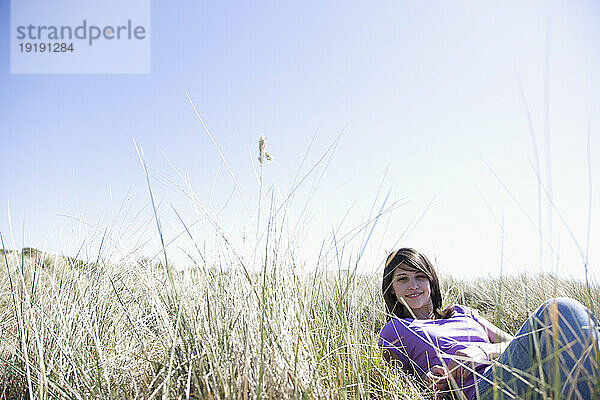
(567, 313)
(563, 305)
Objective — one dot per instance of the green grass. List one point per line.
(72, 329)
(246, 321)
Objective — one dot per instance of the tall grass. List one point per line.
(237, 325)
(72, 329)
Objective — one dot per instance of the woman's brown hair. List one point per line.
(413, 260)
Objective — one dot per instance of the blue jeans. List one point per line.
(530, 366)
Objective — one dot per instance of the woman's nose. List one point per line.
(413, 284)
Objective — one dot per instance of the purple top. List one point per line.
(414, 341)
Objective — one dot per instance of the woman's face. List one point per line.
(411, 287)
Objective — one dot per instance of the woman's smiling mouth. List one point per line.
(412, 296)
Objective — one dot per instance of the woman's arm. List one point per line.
(481, 352)
(499, 339)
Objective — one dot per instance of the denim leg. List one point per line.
(529, 365)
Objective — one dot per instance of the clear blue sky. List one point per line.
(426, 90)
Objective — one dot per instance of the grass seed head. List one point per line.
(262, 152)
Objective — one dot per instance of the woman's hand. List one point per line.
(465, 360)
(436, 377)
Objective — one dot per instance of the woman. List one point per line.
(456, 348)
